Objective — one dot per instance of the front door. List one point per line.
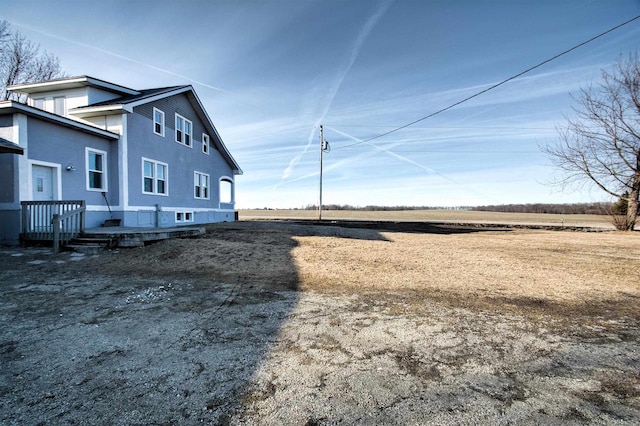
(42, 182)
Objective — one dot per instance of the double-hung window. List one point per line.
(158, 122)
(96, 166)
(154, 177)
(206, 142)
(184, 130)
(201, 185)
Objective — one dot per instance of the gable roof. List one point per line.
(128, 102)
(8, 147)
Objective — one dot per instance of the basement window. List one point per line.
(184, 217)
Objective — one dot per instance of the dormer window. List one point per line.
(38, 103)
(183, 130)
(60, 105)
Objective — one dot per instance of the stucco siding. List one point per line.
(8, 178)
(6, 127)
(60, 145)
(10, 227)
(182, 160)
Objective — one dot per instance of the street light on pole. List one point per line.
(324, 147)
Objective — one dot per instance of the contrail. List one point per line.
(408, 160)
(119, 56)
(393, 154)
(337, 83)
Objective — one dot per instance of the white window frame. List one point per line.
(197, 183)
(105, 180)
(206, 143)
(184, 217)
(154, 178)
(180, 131)
(161, 122)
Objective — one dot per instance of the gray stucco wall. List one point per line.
(65, 146)
(182, 161)
(8, 181)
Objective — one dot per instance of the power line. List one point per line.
(495, 85)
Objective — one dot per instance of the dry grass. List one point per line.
(452, 216)
(515, 267)
(533, 271)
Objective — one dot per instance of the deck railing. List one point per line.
(56, 221)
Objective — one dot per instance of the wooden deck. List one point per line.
(137, 237)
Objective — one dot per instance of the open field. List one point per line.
(285, 323)
(437, 216)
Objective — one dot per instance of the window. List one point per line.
(183, 130)
(205, 143)
(158, 122)
(182, 217)
(38, 103)
(60, 105)
(201, 185)
(154, 177)
(96, 162)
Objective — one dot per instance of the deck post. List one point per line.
(56, 233)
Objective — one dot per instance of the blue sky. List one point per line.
(270, 72)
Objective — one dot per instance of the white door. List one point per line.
(42, 182)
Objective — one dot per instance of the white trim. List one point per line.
(173, 209)
(123, 163)
(21, 137)
(233, 190)
(155, 179)
(70, 83)
(146, 100)
(105, 168)
(57, 185)
(162, 132)
(102, 208)
(90, 111)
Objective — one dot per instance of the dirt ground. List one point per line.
(281, 323)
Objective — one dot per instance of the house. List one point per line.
(143, 158)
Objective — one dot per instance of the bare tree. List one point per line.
(602, 143)
(21, 61)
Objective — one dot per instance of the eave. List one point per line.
(8, 147)
(12, 107)
(71, 83)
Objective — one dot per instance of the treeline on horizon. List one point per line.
(600, 208)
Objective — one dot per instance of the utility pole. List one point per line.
(324, 147)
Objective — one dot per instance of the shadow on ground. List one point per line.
(167, 334)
